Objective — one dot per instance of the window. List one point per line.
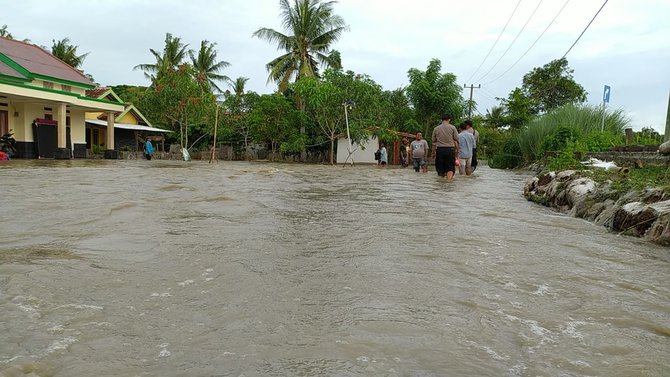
(47, 85)
(48, 113)
(66, 88)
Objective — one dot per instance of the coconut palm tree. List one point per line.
(311, 28)
(207, 67)
(5, 33)
(238, 85)
(67, 52)
(173, 56)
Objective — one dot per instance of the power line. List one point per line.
(496, 42)
(532, 45)
(511, 44)
(587, 26)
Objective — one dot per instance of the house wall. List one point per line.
(363, 153)
(93, 115)
(128, 119)
(56, 86)
(77, 126)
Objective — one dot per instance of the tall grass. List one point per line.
(571, 124)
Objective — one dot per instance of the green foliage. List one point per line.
(273, 120)
(169, 60)
(570, 123)
(207, 67)
(180, 103)
(552, 86)
(432, 94)
(67, 52)
(324, 100)
(648, 136)
(566, 158)
(637, 179)
(518, 109)
(501, 148)
(130, 94)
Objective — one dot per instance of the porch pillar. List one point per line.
(62, 153)
(110, 130)
(110, 153)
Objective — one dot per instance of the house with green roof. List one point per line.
(43, 102)
(131, 127)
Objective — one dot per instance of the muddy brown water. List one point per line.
(168, 268)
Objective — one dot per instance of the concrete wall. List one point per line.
(363, 153)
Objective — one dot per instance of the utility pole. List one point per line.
(472, 87)
(667, 123)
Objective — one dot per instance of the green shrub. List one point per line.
(580, 125)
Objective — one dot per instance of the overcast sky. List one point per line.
(626, 47)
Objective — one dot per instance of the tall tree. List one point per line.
(238, 85)
(67, 52)
(206, 66)
(519, 109)
(324, 100)
(173, 55)
(552, 86)
(433, 93)
(274, 119)
(179, 102)
(311, 28)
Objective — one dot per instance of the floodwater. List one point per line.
(170, 268)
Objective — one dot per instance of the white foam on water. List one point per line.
(164, 352)
(570, 329)
(363, 359)
(9, 360)
(156, 294)
(58, 345)
(511, 285)
(495, 355)
(518, 369)
(81, 306)
(56, 329)
(31, 310)
(581, 364)
(185, 283)
(209, 270)
(541, 290)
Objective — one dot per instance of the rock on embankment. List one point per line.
(645, 214)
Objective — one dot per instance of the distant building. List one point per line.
(361, 153)
(131, 127)
(43, 103)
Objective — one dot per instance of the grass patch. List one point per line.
(637, 179)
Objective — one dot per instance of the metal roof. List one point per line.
(126, 126)
(36, 60)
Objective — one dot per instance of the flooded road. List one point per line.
(167, 268)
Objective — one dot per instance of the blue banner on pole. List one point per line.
(606, 94)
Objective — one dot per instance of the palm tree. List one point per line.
(172, 57)
(495, 116)
(5, 33)
(207, 67)
(67, 52)
(238, 85)
(311, 29)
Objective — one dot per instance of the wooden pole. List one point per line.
(216, 124)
